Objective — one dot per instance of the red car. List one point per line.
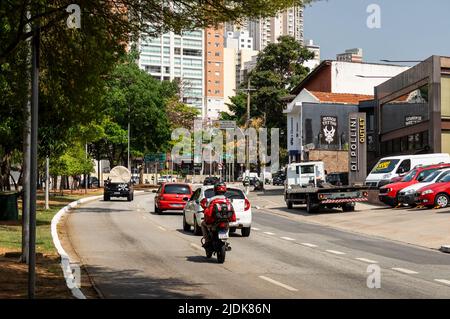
(172, 196)
(388, 193)
(435, 195)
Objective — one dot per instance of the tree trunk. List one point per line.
(5, 171)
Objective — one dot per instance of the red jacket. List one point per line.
(217, 202)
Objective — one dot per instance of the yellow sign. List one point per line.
(383, 165)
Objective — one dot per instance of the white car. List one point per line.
(408, 195)
(193, 211)
(167, 179)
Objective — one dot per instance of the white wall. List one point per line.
(344, 77)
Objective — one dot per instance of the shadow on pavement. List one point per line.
(101, 210)
(131, 283)
(202, 259)
(174, 213)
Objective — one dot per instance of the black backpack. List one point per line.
(222, 211)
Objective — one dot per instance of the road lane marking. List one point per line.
(268, 233)
(162, 228)
(255, 228)
(405, 271)
(308, 245)
(370, 261)
(278, 283)
(287, 238)
(196, 246)
(443, 281)
(335, 252)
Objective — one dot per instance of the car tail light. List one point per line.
(247, 204)
(204, 203)
(365, 194)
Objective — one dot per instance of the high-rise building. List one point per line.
(177, 57)
(351, 55)
(214, 72)
(267, 30)
(314, 48)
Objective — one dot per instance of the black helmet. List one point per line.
(220, 188)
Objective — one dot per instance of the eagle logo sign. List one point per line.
(329, 134)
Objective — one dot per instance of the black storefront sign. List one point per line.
(357, 160)
(329, 130)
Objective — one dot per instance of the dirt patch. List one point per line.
(50, 281)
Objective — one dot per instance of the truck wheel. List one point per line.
(105, 198)
(348, 207)
(129, 197)
(311, 207)
(245, 231)
(289, 204)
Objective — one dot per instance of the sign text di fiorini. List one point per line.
(357, 147)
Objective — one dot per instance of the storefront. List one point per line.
(412, 110)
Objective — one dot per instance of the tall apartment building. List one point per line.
(214, 72)
(174, 57)
(314, 48)
(351, 55)
(267, 30)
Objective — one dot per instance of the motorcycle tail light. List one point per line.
(247, 204)
(222, 225)
(204, 203)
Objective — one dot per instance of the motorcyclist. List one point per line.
(218, 199)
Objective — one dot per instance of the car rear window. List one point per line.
(232, 193)
(177, 189)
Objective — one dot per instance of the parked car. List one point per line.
(279, 180)
(390, 167)
(435, 195)
(166, 179)
(172, 196)
(337, 179)
(211, 180)
(407, 196)
(389, 193)
(193, 211)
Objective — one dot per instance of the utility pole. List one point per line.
(128, 148)
(33, 158)
(86, 175)
(47, 182)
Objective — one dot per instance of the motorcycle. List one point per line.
(218, 234)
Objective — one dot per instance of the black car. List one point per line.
(118, 190)
(278, 180)
(93, 182)
(211, 180)
(337, 179)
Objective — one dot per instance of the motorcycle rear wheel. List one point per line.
(221, 254)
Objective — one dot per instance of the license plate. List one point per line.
(116, 193)
(223, 234)
(177, 205)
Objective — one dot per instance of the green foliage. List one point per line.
(72, 163)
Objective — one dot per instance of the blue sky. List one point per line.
(410, 29)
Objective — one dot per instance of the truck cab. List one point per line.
(303, 174)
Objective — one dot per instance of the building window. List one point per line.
(167, 69)
(217, 73)
(192, 52)
(217, 54)
(177, 51)
(153, 68)
(217, 91)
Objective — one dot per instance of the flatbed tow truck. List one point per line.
(305, 184)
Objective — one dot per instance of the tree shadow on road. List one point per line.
(101, 210)
(132, 283)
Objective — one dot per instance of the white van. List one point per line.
(390, 167)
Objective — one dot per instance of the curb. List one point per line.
(65, 259)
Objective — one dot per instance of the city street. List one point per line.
(130, 252)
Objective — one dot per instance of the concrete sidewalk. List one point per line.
(428, 228)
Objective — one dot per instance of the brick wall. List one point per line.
(335, 161)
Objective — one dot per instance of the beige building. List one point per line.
(229, 75)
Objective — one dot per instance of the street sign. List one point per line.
(151, 158)
(358, 148)
(223, 125)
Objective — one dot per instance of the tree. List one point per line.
(128, 17)
(180, 114)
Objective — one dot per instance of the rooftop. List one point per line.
(340, 98)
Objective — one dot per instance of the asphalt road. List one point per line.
(130, 252)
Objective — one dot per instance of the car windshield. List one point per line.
(445, 178)
(410, 176)
(177, 189)
(385, 166)
(232, 193)
(432, 176)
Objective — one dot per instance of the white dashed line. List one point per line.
(287, 238)
(405, 271)
(443, 281)
(162, 228)
(268, 233)
(278, 283)
(335, 252)
(196, 246)
(308, 245)
(255, 228)
(370, 261)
